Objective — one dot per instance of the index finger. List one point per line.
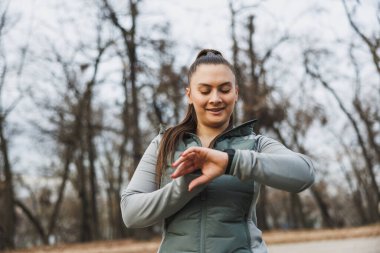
(181, 159)
(191, 150)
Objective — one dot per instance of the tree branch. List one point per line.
(33, 220)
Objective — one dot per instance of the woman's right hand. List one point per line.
(211, 162)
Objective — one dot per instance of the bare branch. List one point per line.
(373, 47)
(269, 52)
(115, 20)
(367, 158)
(356, 69)
(3, 18)
(33, 220)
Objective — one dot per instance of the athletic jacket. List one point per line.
(219, 217)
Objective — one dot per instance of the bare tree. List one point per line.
(313, 70)
(254, 88)
(166, 85)
(372, 44)
(7, 192)
(76, 125)
(130, 46)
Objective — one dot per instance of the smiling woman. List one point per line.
(213, 93)
(202, 177)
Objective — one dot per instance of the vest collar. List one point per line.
(241, 130)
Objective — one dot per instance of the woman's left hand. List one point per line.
(211, 162)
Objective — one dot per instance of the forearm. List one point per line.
(293, 173)
(142, 203)
(275, 166)
(146, 209)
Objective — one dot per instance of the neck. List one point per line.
(207, 134)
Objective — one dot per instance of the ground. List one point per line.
(362, 245)
(361, 239)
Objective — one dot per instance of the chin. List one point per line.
(217, 124)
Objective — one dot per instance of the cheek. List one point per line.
(230, 99)
(199, 101)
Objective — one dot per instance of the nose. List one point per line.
(215, 97)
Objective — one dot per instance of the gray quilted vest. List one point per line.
(220, 219)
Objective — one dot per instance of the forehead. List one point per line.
(212, 74)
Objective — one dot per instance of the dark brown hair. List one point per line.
(172, 135)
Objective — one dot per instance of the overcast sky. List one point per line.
(194, 24)
(199, 23)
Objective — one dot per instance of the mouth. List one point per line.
(215, 109)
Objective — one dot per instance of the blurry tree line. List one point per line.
(93, 144)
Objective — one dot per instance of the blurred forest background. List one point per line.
(85, 85)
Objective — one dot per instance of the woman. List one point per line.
(202, 177)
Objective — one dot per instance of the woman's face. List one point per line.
(213, 93)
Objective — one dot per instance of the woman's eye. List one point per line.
(225, 90)
(205, 92)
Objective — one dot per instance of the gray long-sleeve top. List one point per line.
(144, 204)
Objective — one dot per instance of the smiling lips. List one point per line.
(215, 110)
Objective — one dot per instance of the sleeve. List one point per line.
(274, 165)
(142, 203)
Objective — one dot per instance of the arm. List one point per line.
(274, 165)
(142, 203)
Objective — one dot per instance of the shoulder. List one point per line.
(157, 139)
(266, 143)
(263, 139)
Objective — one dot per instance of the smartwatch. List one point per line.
(231, 154)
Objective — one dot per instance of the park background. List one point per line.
(85, 86)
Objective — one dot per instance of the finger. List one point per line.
(182, 159)
(182, 173)
(183, 169)
(190, 150)
(198, 181)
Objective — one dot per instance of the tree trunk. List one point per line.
(297, 215)
(36, 223)
(7, 223)
(130, 44)
(121, 229)
(91, 158)
(356, 198)
(54, 216)
(85, 232)
(132, 56)
(326, 218)
(235, 56)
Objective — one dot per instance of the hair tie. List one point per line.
(210, 53)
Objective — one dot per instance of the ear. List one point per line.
(236, 93)
(188, 94)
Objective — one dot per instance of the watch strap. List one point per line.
(231, 154)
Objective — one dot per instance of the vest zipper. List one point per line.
(203, 197)
(203, 220)
(203, 194)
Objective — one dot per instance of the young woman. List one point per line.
(202, 177)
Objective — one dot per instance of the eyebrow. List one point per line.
(208, 85)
